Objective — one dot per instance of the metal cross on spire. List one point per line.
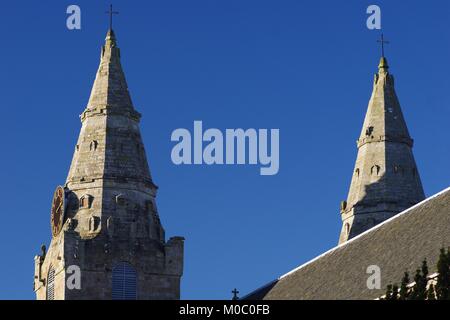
(382, 41)
(111, 12)
(235, 294)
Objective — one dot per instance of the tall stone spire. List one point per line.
(386, 180)
(110, 126)
(104, 219)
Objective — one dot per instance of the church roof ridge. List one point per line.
(366, 232)
(345, 244)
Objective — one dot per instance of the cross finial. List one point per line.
(382, 41)
(235, 294)
(111, 12)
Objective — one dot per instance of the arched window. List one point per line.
(398, 169)
(347, 228)
(124, 282)
(120, 200)
(93, 145)
(51, 284)
(375, 170)
(93, 223)
(86, 201)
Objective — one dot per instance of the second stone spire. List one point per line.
(385, 180)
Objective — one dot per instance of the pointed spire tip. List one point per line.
(383, 63)
(111, 38)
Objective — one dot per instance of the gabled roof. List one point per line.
(397, 245)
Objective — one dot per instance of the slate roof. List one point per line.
(396, 245)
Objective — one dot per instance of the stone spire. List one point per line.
(386, 180)
(110, 127)
(110, 87)
(110, 226)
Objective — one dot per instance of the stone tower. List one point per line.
(385, 180)
(105, 222)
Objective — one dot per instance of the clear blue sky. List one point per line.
(305, 67)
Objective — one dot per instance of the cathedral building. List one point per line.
(104, 219)
(388, 225)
